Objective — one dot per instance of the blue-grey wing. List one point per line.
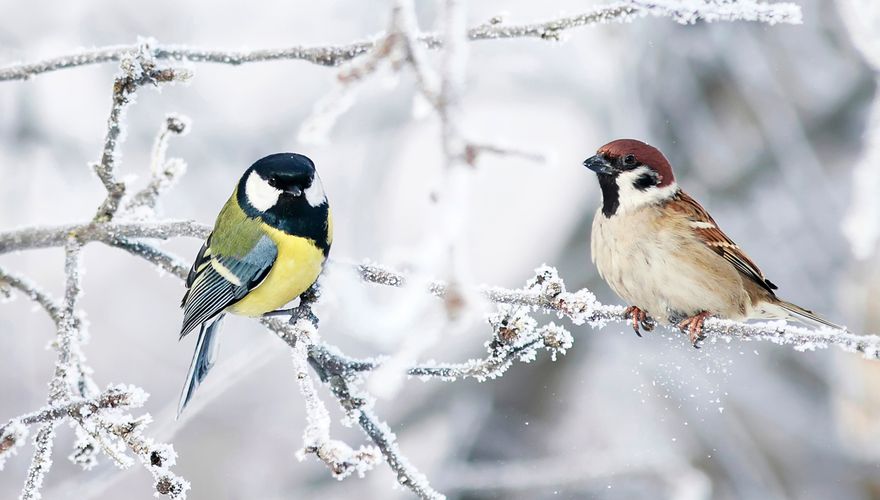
(217, 281)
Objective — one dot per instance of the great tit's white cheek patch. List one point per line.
(315, 193)
(259, 193)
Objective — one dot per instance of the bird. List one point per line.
(268, 246)
(661, 252)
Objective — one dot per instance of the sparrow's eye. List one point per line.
(629, 160)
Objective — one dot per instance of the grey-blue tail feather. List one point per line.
(203, 359)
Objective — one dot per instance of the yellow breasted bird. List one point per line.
(268, 246)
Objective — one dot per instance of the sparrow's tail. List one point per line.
(203, 359)
(806, 315)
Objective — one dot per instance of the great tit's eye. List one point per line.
(629, 160)
(273, 181)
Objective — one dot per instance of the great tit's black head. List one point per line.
(285, 192)
(282, 180)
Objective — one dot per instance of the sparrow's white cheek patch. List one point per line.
(630, 197)
(315, 193)
(259, 193)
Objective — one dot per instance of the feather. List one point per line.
(805, 314)
(707, 229)
(226, 280)
(203, 359)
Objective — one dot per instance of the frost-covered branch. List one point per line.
(164, 172)
(8, 281)
(339, 457)
(137, 69)
(516, 337)
(344, 376)
(580, 306)
(99, 422)
(54, 236)
(687, 11)
(40, 463)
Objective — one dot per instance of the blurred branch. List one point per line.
(674, 479)
(334, 55)
(861, 225)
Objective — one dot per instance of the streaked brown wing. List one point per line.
(712, 235)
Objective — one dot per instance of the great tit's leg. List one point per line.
(639, 318)
(304, 309)
(694, 327)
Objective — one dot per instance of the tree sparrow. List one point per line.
(660, 251)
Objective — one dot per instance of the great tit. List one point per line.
(268, 246)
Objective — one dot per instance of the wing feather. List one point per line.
(712, 235)
(209, 292)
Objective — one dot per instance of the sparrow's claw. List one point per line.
(639, 318)
(694, 327)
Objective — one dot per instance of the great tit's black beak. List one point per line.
(294, 190)
(599, 164)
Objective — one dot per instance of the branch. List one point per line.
(137, 70)
(164, 172)
(54, 236)
(40, 463)
(580, 306)
(112, 397)
(335, 55)
(336, 371)
(340, 458)
(516, 338)
(33, 292)
(68, 334)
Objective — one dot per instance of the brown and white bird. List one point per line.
(661, 252)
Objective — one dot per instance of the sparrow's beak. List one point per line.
(599, 165)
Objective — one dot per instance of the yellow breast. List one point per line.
(297, 266)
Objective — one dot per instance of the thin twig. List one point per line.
(334, 55)
(340, 458)
(336, 372)
(137, 70)
(40, 463)
(112, 397)
(33, 292)
(164, 173)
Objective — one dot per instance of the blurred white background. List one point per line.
(763, 124)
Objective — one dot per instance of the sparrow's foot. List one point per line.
(694, 327)
(639, 318)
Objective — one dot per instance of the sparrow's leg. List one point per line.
(694, 327)
(639, 317)
(304, 309)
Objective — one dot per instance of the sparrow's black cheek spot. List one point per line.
(645, 181)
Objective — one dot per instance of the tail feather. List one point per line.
(805, 314)
(203, 359)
